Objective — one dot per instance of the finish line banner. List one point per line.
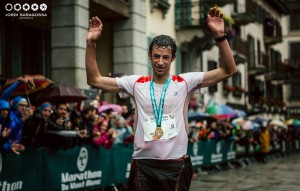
(88, 167)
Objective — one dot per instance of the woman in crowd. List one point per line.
(103, 136)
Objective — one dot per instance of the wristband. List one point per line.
(221, 38)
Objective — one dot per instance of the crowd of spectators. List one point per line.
(260, 140)
(258, 136)
(64, 126)
(59, 126)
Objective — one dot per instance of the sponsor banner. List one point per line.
(196, 152)
(22, 172)
(121, 160)
(87, 167)
(80, 168)
(204, 153)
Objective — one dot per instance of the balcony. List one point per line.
(280, 6)
(160, 4)
(293, 111)
(247, 16)
(292, 4)
(238, 91)
(280, 73)
(293, 71)
(294, 63)
(257, 70)
(272, 31)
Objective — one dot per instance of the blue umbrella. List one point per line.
(239, 113)
(193, 116)
(215, 109)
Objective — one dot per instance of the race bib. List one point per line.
(166, 131)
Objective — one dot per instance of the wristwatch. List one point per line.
(221, 38)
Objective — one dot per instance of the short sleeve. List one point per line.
(126, 84)
(193, 79)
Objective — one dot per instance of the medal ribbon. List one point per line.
(158, 112)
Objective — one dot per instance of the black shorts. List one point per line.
(160, 175)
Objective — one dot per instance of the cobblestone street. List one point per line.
(280, 174)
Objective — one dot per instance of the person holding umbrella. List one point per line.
(21, 111)
(161, 100)
(25, 85)
(6, 94)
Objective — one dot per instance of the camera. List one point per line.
(66, 120)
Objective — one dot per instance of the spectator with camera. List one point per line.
(59, 122)
(35, 129)
(88, 119)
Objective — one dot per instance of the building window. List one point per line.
(275, 59)
(294, 20)
(258, 53)
(251, 53)
(20, 56)
(184, 62)
(295, 91)
(237, 79)
(211, 66)
(295, 56)
(183, 13)
(237, 84)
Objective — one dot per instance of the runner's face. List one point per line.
(161, 59)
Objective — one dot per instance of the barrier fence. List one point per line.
(88, 167)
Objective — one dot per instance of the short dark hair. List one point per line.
(164, 41)
(88, 109)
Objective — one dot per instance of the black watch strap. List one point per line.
(221, 38)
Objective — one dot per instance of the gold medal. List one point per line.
(158, 132)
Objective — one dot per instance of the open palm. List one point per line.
(95, 29)
(215, 21)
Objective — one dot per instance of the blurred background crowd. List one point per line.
(58, 121)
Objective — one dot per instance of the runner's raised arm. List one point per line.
(94, 77)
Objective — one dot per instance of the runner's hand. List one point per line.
(215, 21)
(95, 29)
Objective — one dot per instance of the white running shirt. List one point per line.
(177, 98)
